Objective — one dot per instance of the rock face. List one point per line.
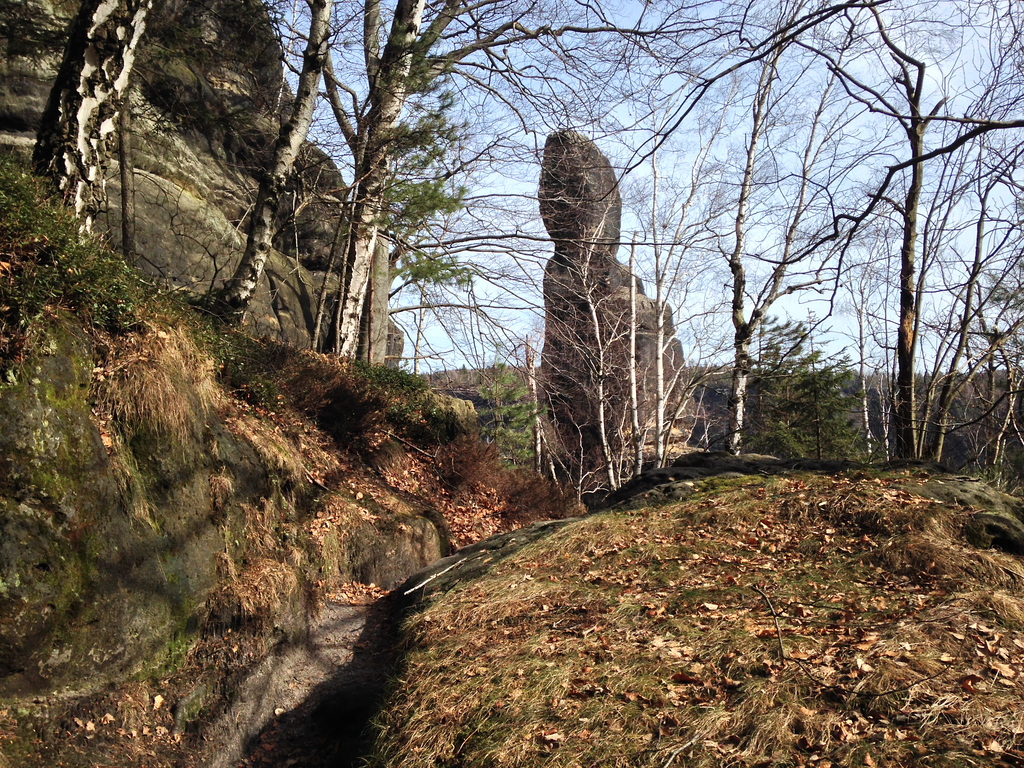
(586, 301)
(121, 536)
(206, 103)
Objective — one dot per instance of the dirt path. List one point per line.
(330, 690)
(319, 696)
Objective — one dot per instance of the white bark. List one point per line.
(634, 396)
(389, 90)
(83, 105)
(538, 427)
(239, 290)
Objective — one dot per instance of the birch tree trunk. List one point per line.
(531, 380)
(389, 88)
(601, 371)
(373, 333)
(634, 395)
(81, 112)
(127, 163)
(239, 290)
(742, 329)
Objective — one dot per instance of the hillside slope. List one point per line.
(179, 502)
(804, 619)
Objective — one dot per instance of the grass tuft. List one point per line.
(158, 381)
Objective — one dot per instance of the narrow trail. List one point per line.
(324, 693)
(332, 689)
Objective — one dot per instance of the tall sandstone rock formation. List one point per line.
(586, 304)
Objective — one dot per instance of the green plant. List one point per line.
(799, 405)
(402, 400)
(46, 264)
(512, 415)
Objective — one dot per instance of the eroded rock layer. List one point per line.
(206, 100)
(585, 362)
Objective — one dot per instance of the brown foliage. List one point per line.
(470, 467)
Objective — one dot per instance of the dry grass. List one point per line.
(158, 381)
(155, 382)
(778, 622)
(276, 451)
(126, 475)
(260, 590)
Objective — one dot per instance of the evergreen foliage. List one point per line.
(799, 404)
(422, 190)
(46, 264)
(512, 416)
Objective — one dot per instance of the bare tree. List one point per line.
(976, 323)
(81, 113)
(792, 209)
(674, 212)
(239, 290)
(888, 73)
(509, 51)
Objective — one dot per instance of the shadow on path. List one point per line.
(331, 696)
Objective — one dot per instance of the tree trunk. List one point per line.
(239, 290)
(321, 299)
(905, 406)
(81, 112)
(740, 382)
(389, 89)
(373, 335)
(127, 162)
(634, 395)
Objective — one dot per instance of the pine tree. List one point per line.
(800, 404)
(512, 416)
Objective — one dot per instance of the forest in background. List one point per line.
(857, 162)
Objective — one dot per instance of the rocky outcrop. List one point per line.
(586, 299)
(995, 519)
(138, 507)
(206, 103)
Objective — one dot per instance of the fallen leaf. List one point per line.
(1003, 669)
(158, 701)
(967, 683)
(684, 677)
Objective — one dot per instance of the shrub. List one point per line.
(471, 467)
(46, 264)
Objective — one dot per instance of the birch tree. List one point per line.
(787, 218)
(510, 50)
(899, 64)
(82, 110)
(675, 211)
(239, 290)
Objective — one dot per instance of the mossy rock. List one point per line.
(93, 588)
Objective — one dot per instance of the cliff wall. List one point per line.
(206, 101)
